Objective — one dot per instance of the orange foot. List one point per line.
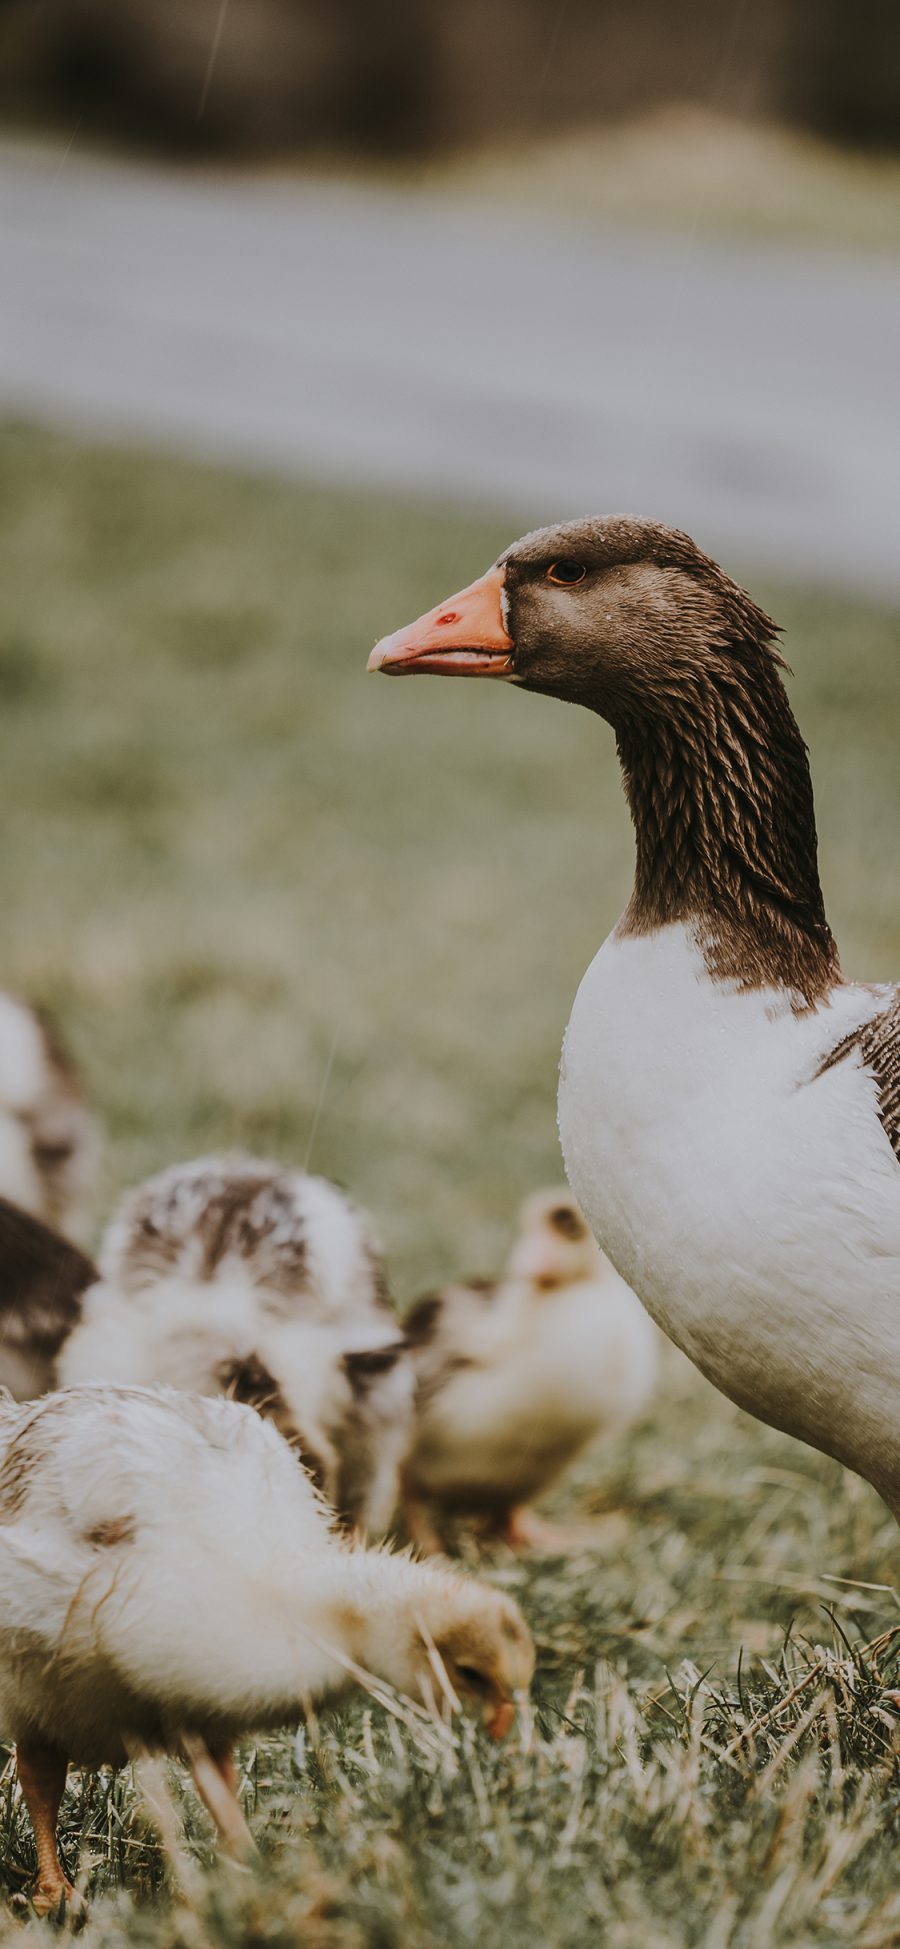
(42, 1777)
(48, 1897)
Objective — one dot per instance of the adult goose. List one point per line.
(170, 1579)
(729, 1103)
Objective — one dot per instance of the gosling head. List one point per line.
(484, 1645)
(555, 1246)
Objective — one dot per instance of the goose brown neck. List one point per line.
(718, 782)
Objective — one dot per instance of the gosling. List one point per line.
(514, 1378)
(236, 1276)
(170, 1579)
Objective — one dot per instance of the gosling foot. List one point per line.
(42, 1769)
(524, 1529)
(47, 1897)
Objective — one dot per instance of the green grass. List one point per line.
(227, 856)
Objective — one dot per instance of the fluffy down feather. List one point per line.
(513, 1379)
(168, 1574)
(48, 1137)
(235, 1276)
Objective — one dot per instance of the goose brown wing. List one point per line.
(877, 1042)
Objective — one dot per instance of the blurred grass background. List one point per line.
(269, 900)
(230, 858)
(686, 168)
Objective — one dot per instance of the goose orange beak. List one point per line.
(498, 1718)
(464, 637)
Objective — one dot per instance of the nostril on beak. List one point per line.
(448, 616)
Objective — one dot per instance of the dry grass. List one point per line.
(690, 169)
(223, 848)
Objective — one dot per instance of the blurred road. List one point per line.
(748, 393)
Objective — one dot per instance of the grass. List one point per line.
(229, 862)
(692, 170)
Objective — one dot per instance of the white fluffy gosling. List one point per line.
(170, 1579)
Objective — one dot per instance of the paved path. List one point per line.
(749, 394)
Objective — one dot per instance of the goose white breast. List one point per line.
(752, 1201)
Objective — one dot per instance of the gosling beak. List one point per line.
(537, 1263)
(464, 637)
(498, 1717)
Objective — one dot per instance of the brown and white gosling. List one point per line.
(169, 1579)
(514, 1378)
(48, 1135)
(236, 1276)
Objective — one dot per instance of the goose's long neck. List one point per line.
(721, 798)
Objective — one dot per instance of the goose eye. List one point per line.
(567, 1222)
(566, 573)
(472, 1676)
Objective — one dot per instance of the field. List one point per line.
(279, 905)
(693, 171)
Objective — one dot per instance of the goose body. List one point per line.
(515, 1378)
(749, 1195)
(169, 1576)
(729, 1102)
(235, 1276)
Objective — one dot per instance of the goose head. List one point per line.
(618, 614)
(631, 619)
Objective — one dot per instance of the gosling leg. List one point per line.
(226, 1765)
(416, 1520)
(215, 1777)
(42, 1770)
